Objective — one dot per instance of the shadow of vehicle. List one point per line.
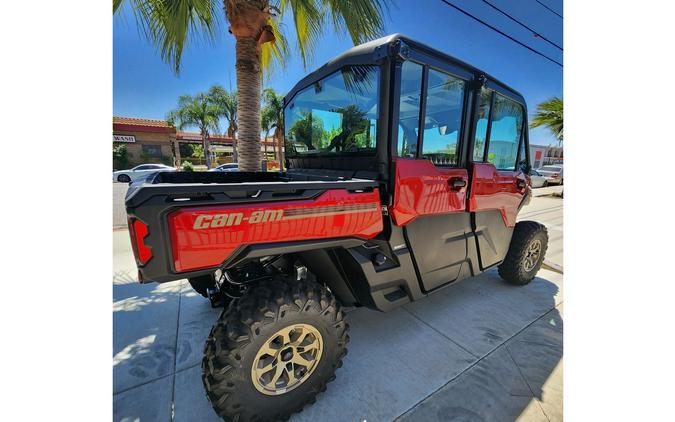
(477, 350)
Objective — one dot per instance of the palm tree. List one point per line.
(260, 44)
(550, 114)
(200, 111)
(227, 102)
(273, 118)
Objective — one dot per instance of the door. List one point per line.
(498, 182)
(430, 186)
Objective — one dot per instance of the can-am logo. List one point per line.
(236, 218)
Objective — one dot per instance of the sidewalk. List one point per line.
(476, 350)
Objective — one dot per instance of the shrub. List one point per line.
(166, 160)
(187, 166)
(120, 157)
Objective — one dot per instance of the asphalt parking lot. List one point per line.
(476, 350)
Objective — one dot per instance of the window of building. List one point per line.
(482, 125)
(154, 151)
(505, 131)
(443, 118)
(409, 109)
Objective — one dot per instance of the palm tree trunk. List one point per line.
(205, 145)
(248, 107)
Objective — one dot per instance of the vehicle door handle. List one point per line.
(457, 183)
(520, 184)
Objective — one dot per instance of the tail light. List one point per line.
(138, 231)
(555, 174)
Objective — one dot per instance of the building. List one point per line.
(541, 155)
(147, 141)
(155, 141)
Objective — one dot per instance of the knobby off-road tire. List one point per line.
(521, 265)
(248, 325)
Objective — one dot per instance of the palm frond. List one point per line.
(549, 114)
(361, 19)
(172, 24)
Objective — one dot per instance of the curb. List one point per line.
(553, 267)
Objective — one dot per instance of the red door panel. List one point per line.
(421, 189)
(497, 190)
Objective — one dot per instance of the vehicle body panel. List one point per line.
(537, 180)
(140, 171)
(226, 167)
(552, 173)
(204, 237)
(496, 190)
(421, 188)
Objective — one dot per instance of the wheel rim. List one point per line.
(533, 254)
(287, 359)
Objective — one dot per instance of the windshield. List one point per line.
(335, 116)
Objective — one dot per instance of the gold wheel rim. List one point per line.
(532, 256)
(287, 359)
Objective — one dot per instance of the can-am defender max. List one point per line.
(406, 169)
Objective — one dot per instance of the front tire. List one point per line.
(272, 351)
(123, 178)
(526, 253)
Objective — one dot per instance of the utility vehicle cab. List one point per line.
(446, 142)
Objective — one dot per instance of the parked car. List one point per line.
(226, 167)
(552, 173)
(348, 224)
(126, 176)
(537, 180)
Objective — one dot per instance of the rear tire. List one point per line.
(123, 178)
(526, 253)
(545, 184)
(239, 343)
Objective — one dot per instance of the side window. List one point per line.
(482, 125)
(443, 118)
(409, 109)
(505, 130)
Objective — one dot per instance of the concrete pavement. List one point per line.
(476, 350)
(548, 210)
(119, 212)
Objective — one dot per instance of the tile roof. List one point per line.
(140, 122)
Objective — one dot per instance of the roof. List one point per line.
(370, 48)
(141, 125)
(140, 122)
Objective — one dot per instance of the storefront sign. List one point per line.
(124, 138)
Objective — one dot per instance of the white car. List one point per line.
(226, 167)
(537, 180)
(126, 176)
(553, 173)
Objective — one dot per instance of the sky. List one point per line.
(146, 87)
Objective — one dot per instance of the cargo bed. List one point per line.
(186, 224)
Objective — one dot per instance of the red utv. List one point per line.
(405, 170)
